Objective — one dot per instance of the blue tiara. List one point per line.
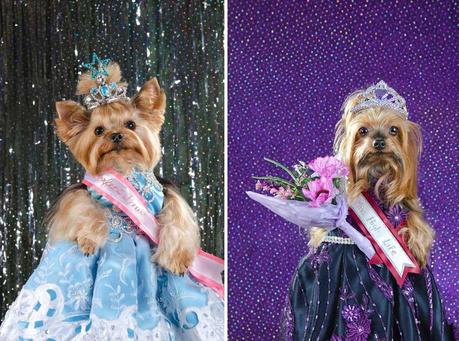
(103, 93)
(381, 95)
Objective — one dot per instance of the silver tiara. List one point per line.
(102, 93)
(381, 95)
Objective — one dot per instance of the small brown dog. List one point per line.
(381, 148)
(123, 134)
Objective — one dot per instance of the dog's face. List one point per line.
(378, 143)
(121, 135)
(381, 148)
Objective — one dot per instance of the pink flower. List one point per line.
(321, 191)
(328, 167)
(262, 186)
(283, 193)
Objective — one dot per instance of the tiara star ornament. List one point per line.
(382, 95)
(102, 93)
(97, 66)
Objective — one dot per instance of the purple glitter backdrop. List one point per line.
(291, 64)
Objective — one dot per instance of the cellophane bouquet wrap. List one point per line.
(313, 195)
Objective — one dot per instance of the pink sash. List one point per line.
(206, 268)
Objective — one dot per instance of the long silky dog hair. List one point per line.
(89, 134)
(391, 174)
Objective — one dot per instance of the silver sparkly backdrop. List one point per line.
(42, 45)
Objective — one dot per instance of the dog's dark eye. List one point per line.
(363, 131)
(130, 125)
(99, 131)
(393, 131)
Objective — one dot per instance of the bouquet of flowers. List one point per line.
(318, 182)
(312, 195)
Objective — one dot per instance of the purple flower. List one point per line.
(397, 215)
(351, 313)
(321, 191)
(336, 338)
(359, 330)
(328, 167)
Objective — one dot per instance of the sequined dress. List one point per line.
(336, 295)
(115, 294)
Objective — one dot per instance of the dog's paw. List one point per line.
(177, 263)
(87, 246)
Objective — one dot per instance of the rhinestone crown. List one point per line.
(381, 95)
(102, 93)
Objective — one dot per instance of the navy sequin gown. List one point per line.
(336, 295)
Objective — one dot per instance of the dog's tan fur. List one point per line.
(395, 170)
(176, 232)
(78, 217)
(66, 221)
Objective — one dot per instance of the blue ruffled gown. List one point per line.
(116, 293)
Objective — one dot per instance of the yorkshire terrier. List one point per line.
(381, 147)
(123, 135)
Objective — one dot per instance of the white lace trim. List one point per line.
(45, 320)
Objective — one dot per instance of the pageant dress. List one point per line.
(335, 294)
(116, 293)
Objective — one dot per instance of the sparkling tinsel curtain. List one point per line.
(42, 46)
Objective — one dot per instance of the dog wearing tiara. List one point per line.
(381, 148)
(122, 135)
(120, 261)
(337, 293)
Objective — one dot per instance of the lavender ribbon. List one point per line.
(327, 216)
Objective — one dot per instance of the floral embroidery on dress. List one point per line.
(78, 294)
(428, 280)
(320, 257)
(345, 294)
(115, 294)
(351, 313)
(407, 291)
(359, 330)
(286, 329)
(146, 184)
(396, 215)
(385, 288)
(357, 317)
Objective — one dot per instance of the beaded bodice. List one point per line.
(147, 186)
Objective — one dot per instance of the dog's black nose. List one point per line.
(117, 137)
(379, 143)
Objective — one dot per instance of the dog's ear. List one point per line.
(151, 101)
(344, 141)
(414, 140)
(72, 119)
(412, 148)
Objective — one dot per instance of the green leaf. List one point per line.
(305, 181)
(274, 179)
(281, 166)
(336, 182)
